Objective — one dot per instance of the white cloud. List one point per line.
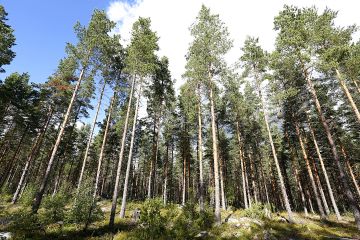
(171, 20)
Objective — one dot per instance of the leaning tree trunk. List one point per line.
(123, 203)
(242, 166)
(321, 190)
(350, 170)
(101, 156)
(8, 170)
(348, 95)
(308, 167)
(40, 193)
(329, 136)
(121, 156)
(356, 84)
(215, 156)
(90, 138)
(282, 184)
(332, 198)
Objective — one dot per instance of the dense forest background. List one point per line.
(277, 132)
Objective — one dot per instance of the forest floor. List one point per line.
(235, 226)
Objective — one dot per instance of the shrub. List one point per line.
(257, 210)
(171, 222)
(83, 202)
(25, 224)
(28, 195)
(152, 222)
(54, 208)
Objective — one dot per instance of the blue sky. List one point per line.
(41, 29)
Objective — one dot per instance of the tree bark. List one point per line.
(40, 193)
(348, 95)
(307, 163)
(332, 198)
(282, 185)
(121, 156)
(165, 188)
(123, 203)
(350, 170)
(242, 166)
(90, 137)
(201, 178)
(329, 136)
(101, 156)
(215, 156)
(321, 190)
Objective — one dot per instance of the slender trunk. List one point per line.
(332, 198)
(40, 192)
(356, 84)
(343, 178)
(264, 182)
(121, 156)
(215, 156)
(166, 174)
(247, 185)
(123, 203)
(322, 194)
(307, 163)
(253, 183)
(149, 192)
(302, 195)
(101, 156)
(201, 178)
(7, 172)
(282, 185)
(348, 95)
(152, 176)
(242, 166)
(297, 175)
(184, 179)
(310, 202)
(90, 137)
(350, 170)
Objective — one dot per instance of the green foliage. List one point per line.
(28, 195)
(7, 40)
(79, 212)
(54, 208)
(257, 211)
(141, 58)
(170, 222)
(190, 222)
(24, 223)
(154, 224)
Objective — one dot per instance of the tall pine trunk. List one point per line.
(215, 157)
(242, 166)
(121, 156)
(308, 168)
(201, 178)
(321, 190)
(332, 198)
(343, 178)
(348, 95)
(282, 184)
(350, 170)
(40, 192)
(123, 203)
(101, 156)
(90, 137)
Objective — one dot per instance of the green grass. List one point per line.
(304, 228)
